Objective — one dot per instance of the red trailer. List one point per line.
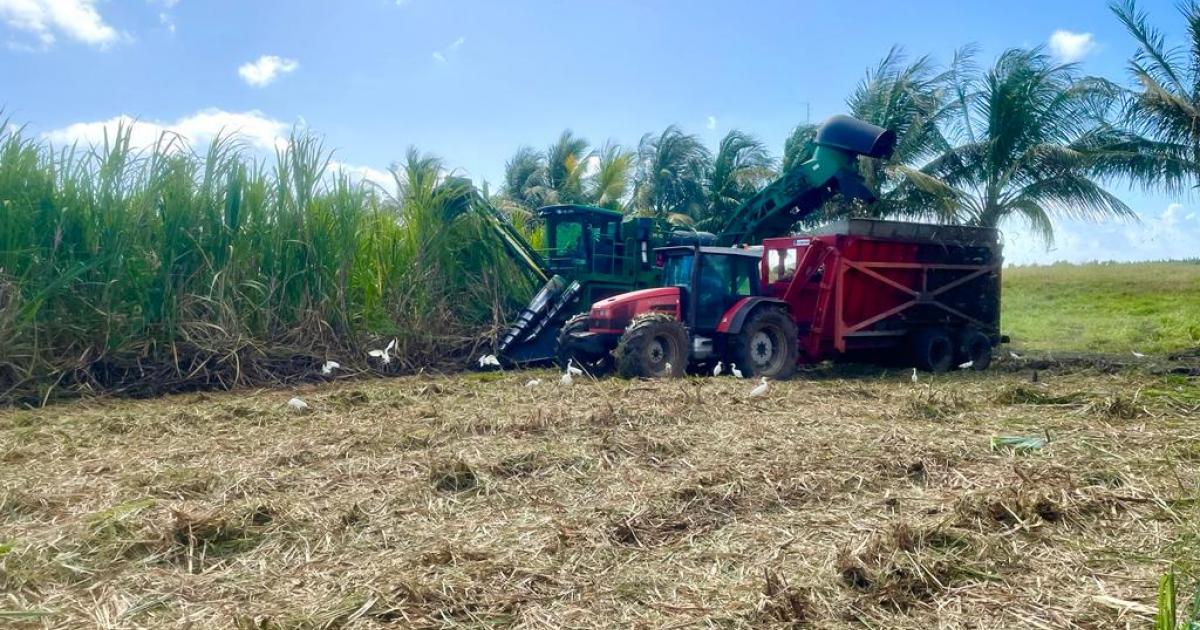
(868, 289)
(864, 286)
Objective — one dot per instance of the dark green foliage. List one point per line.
(162, 270)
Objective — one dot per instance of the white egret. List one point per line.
(717, 370)
(1014, 355)
(914, 376)
(1139, 354)
(328, 367)
(966, 366)
(297, 405)
(534, 382)
(489, 360)
(566, 378)
(760, 390)
(733, 369)
(572, 369)
(385, 355)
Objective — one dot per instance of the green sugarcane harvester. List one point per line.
(593, 253)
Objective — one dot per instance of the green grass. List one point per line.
(1110, 308)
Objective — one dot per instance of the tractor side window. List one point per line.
(781, 265)
(678, 271)
(744, 276)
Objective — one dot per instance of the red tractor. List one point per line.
(923, 295)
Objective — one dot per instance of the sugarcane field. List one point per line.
(396, 315)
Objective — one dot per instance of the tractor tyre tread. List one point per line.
(772, 316)
(631, 348)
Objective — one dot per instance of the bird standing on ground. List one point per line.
(1138, 355)
(297, 405)
(760, 390)
(572, 370)
(733, 369)
(489, 360)
(667, 369)
(1014, 355)
(328, 367)
(717, 370)
(566, 378)
(914, 375)
(385, 355)
(534, 382)
(966, 366)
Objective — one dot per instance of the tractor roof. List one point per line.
(573, 209)
(722, 251)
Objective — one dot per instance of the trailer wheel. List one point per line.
(568, 351)
(975, 347)
(932, 350)
(650, 344)
(766, 345)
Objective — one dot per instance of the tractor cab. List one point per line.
(582, 239)
(711, 281)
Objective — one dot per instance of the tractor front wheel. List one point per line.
(767, 344)
(568, 351)
(654, 345)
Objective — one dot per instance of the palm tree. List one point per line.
(742, 166)
(608, 186)
(566, 160)
(798, 146)
(671, 172)
(524, 187)
(1027, 145)
(914, 100)
(1162, 147)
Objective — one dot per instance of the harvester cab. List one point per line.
(590, 253)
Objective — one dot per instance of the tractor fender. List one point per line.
(731, 322)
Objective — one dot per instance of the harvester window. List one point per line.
(781, 265)
(568, 241)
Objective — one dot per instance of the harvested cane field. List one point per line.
(838, 500)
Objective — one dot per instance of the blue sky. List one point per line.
(473, 80)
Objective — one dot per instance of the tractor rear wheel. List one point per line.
(975, 347)
(596, 365)
(766, 345)
(932, 350)
(653, 345)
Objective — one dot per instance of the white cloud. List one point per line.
(712, 123)
(441, 56)
(1171, 234)
(266, 69)
(369, 174)
(46, 19)
(252, 127)
(1070, 47)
